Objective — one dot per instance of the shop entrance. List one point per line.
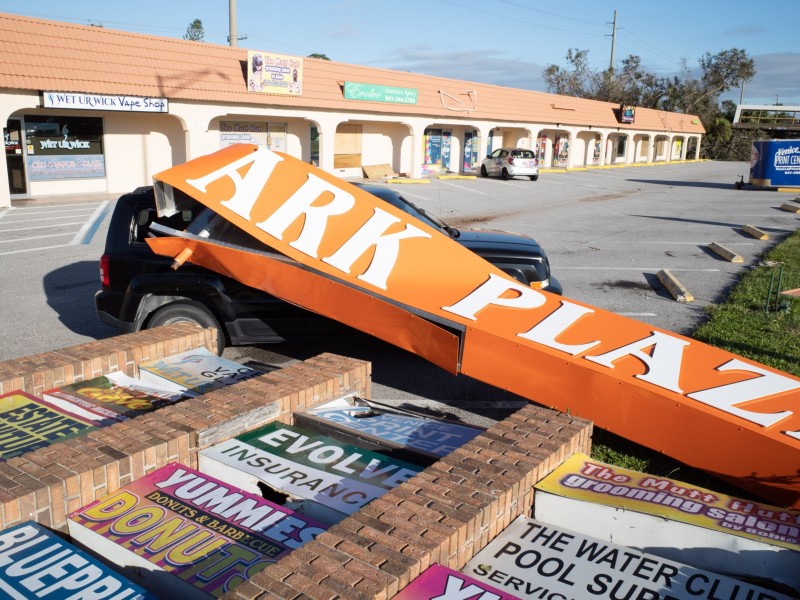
(436, 148)
(15, 157)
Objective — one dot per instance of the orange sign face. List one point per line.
(355, 258)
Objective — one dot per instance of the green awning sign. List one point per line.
(379, 93)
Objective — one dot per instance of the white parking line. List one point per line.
(635, 314)
(34, 249)
(627, 243)
(40, 227)
(90, 227)
(644, 269)
(461, 187)
(38, 237)
(49, 207)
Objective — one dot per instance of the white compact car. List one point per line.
(511, 162)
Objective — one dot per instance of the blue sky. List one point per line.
(503, 42)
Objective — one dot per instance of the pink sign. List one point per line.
(440, 583)
(208, 534)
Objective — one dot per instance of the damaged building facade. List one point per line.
(118, 107)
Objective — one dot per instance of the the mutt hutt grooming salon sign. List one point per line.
(350, 256)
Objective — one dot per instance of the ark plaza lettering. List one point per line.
(661, 353)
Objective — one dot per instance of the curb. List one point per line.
(674, 287)
(755, 232)
(404, 180)
(725, 253)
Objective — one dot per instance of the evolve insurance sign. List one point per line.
(350, 256)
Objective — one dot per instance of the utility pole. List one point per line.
(613, 40)
(233, 37)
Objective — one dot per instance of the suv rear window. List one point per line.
(522, 154)
(146, 215)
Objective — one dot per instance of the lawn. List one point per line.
(755, 322)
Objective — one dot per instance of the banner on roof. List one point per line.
(269, 73)
(627, 113)
(349, 255)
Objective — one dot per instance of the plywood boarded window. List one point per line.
(347, 146)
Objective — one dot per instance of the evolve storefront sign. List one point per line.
(379, 93)
(350, 256)
(775, 163)
(104, 102)
(303, 465)
(530, 559)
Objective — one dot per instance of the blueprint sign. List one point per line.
(775, 163)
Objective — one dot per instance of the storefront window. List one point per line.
(314, 145)
(64, 147)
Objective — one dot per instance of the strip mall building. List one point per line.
(92, 110)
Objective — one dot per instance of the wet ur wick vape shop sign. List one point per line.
(104, 102)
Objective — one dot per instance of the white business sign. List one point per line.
(79, 101)
(531, 559)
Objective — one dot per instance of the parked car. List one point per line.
(511, 162)
(140, 290)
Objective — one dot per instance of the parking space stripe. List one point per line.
(38, 237)
(37, 249)
(39, 227)
(461, 187)
(641, 269)
(86, 233)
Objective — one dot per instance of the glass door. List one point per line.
(15, 157)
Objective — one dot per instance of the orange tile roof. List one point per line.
(38, 55)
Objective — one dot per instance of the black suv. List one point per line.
(140, 289)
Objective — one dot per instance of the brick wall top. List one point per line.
(444, 515)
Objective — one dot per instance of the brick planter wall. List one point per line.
(444, 515)
(47, 484)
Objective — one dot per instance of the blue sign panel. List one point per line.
(425, 435)
(36, 563)
(775, 163)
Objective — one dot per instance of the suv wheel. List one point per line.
(187, 313)
(484, 173)
(534, 177)
(505, 174)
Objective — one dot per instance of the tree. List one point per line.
(577, 80)
(682, 93)
(195, 32)
(318, 55)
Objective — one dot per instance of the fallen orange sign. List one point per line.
(350, 256)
